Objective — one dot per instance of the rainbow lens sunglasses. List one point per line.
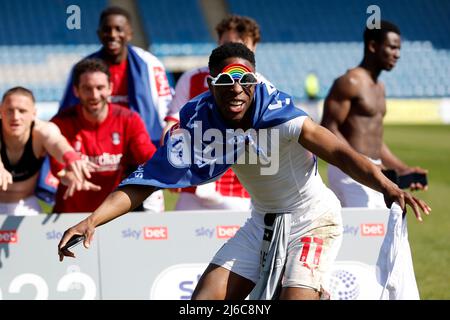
(232, 73)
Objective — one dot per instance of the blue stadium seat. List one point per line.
(43, 22)
(330, 33)
(299, 36)
(174, 21)
(336, 20)
(43, 69)
(419, 72)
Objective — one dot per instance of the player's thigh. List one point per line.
(218, 283)
(311, 254)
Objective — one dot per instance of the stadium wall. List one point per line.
(158, 256)
(399, 111)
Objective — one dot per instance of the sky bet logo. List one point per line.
(226, 232)
(147, 233)
(8, 236)
(372, 229)
(351, 230)
(222, 232)
(204, 232)
(53, 235)
(155, 233)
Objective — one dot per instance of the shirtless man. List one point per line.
(25, 141)
(354, 110)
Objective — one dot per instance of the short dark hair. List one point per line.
(89, 65)
(114, 11)
(229, 50)
(378, 35)
(244, 26)
(19, 90)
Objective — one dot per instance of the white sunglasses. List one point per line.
(226, 79)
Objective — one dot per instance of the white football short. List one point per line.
(352, 193)
(312, 248)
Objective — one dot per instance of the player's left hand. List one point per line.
(395, 194)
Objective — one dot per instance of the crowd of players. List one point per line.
(118, 106)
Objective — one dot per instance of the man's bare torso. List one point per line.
(363, 127)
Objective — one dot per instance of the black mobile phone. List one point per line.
(391, 175)
(75, 240)
(405, 181)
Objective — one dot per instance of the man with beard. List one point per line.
(110, 135)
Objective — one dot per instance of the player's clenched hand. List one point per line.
(83, 228)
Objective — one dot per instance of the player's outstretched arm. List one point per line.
(116, 204)
(328, 147)
(58, 147)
